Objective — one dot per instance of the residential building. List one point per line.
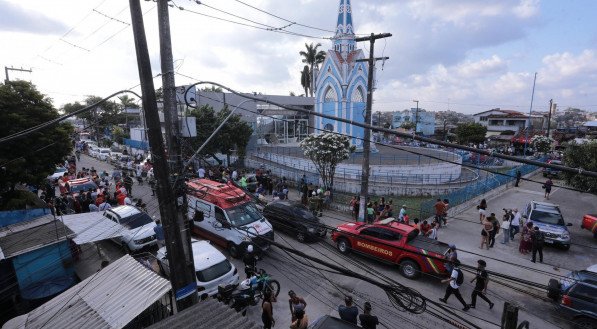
(425, 120)
(498, 121)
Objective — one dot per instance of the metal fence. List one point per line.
(475, 189)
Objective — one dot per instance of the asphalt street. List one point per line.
(324, 291)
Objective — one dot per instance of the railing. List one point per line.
(475, 189)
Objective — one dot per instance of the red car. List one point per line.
(392, 242)
(589, 222)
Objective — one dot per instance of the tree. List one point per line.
(581, 156)
(235, 134)
(212, 88)
(306, 79)
(470, 133)
(312, 57)
(32, 158)
(326, 151)
(128, 102)
(542, 143)
(407, 125)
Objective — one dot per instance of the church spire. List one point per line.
(344, 39)
(344, 25)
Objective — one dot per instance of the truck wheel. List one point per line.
(126, 248)
(553, 289)
(300, 236)
(566, 247)
(410, 269)
(233, 250)
(343, 246)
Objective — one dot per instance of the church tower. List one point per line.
(341, 83)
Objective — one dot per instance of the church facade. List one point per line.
(341, 82)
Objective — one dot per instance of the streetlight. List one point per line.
(416, 115)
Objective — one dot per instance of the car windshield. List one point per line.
(213, 272)
(304, 213)
(136, 220)
(60, 170)
(547, 217)
(243, 214)
(83, 187)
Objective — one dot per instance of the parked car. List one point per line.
(576, 295)
(328, 321)
(549, 172)
(92, 149)
(103, 153)
(295, 218)
(212, 268)
(589, 222)
(548, 217)
(138, 232)
(59, 172)
(392, 242)
(113, 158)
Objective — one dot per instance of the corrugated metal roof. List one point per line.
(109, 299)
(206, 314)
(91, 226)
(24, 237)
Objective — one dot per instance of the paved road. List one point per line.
(323, 290)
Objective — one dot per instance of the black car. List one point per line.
(295, 218)
(576, 295)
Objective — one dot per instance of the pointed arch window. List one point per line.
(357, 95)
(330, 95)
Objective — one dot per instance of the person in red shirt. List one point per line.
(440, 210)
(425, 227)
(120, 198)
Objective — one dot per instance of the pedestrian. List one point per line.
(481, 280)
(128, 184)
(515, 223)
(267, 310)
(506, 229)
(370, 213)
(485, 233)
(295, 303)
(304, 194)
(440, 209)
(432, 232)
(301, 321)
(250, 261)
(446, 207)
(525, 245)
(455, 281)
(159, 233)
(547, 187)
(482, 210)
(496, 228)
(537, 240)
(425, 227)
(402, 213)
(451, 257)
(518, 176)
(348, 312)
(367, 320)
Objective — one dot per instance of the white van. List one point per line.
(138, 225)
(212, 268)
(226, 215)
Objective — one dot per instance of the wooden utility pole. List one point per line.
(6, 69)
(367, 138)
(182, 274)
(552, 108)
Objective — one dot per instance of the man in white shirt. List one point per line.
(455, 280)
(201, 172)
(515, 224)
(104, 206)
(234, 175)
(402, 213)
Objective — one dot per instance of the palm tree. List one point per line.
(313, 58)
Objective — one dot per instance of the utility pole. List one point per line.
(416, 115)
(182, 274)
(367, 138)
(552, 108)
(6, 69)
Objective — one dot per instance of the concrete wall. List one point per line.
(10, 217)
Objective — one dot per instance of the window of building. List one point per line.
(330, 95)
(357, 95)
(482, 118)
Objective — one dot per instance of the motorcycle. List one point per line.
(249, 291)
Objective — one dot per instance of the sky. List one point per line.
(462, 55)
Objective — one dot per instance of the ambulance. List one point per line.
(227, 216)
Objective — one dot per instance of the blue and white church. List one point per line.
(341, 83)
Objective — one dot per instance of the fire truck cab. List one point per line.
(227, 216)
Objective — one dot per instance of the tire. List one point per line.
(553, 289)
(566, 247)
(344, 246)
(126, 248)
(233, 250)
(301, 236)
(585, 323)
(273, 286)
(409, 269)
